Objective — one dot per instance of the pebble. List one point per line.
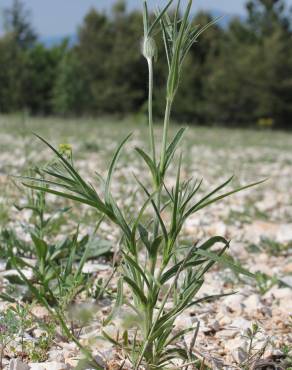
(252, 304)
(54, 365)
(287, 269)
(241, 324)
(16, 364)
(287, 280)
(40, 312)
(234, 303)
(225, 334)
(56, 355)
(36, 366)
(239, 355)
(279, 293)
(38, 333)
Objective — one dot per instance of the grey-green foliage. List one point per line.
(163, 276)
(56, 267)
(9, 328)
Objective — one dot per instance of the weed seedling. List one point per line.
(9, 328)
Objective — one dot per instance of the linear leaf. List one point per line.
(118, 304)
(172, 147)
(226, 262)
(149, 162)
(230, 193)
(136, 290)
(112, 168)
(135, 265)
(160, 15)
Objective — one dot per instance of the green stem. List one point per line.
(158, 203)
(150, 109)
(165, 133)
(89, 356)
(162, 159)
(160, 311)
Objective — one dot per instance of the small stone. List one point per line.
(257, 229)
(183, 321)
(36, 366)
(16, 364)
(217, 363)
(38, 333)
(90, 268)
(236, 343)
(288, 268)
(252, 304)
(54, 365)
(241, 324)
(234, 303)
(279, 293)
(239, 355)
(40, 312)
(287, 280)
(225, 334)
(215, 325)
(284, 234)
(218, 228)
(238, 349)
(56, 355)
(71, 362)
(223, 319)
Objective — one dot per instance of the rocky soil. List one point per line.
(258, 222)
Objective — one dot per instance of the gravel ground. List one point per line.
(258, 222)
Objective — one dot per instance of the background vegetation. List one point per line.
(238, 74)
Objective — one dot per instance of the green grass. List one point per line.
(95, 130)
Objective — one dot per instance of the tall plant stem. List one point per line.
(150, 108)
(161, 308)
(88, 355)
(162, 158)
(165, 133)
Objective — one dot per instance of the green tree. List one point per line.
(251, 79)
(108, 51)
(19, 38)
(11, 76)
(70, 92)
(41, 70)
(192, 97)
(17, 22)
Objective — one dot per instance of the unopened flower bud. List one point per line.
(149, 48)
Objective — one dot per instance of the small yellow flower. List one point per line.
(65, 149)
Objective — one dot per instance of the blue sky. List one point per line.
(62, 17)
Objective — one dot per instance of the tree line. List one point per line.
(240, 74)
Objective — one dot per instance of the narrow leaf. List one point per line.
(112, 168)
(226, 262)
(118, 304)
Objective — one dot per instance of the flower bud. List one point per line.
(149, 48)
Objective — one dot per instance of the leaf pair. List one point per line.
(158, 171)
